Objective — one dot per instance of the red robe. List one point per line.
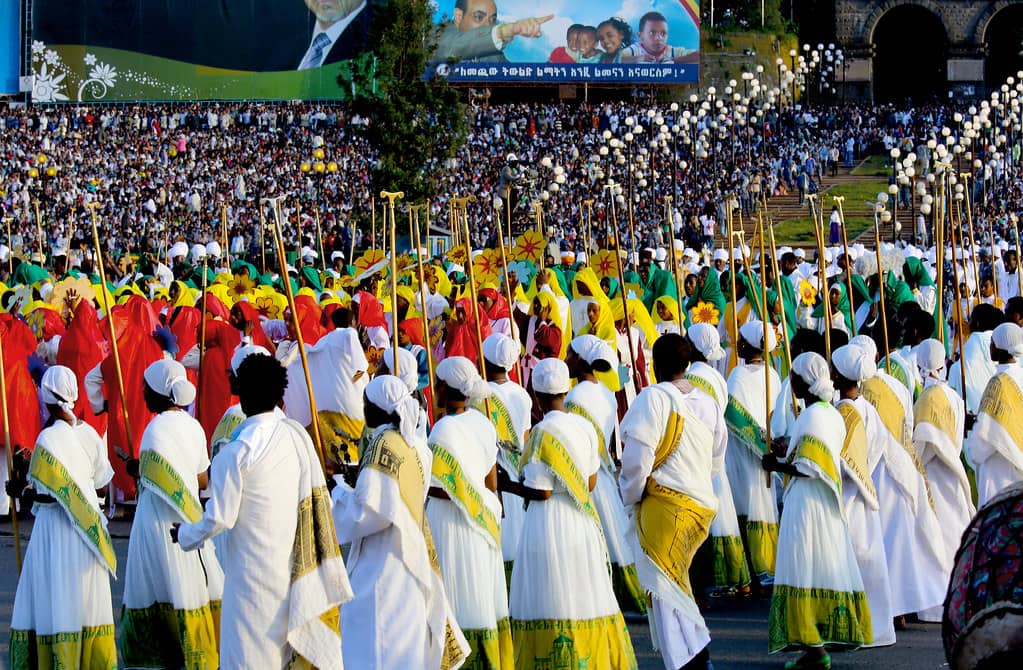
(214, 385)
(82, 348)
(22, 396)
(462, 339)
(185, 327)
(309, 319)
(259, 337)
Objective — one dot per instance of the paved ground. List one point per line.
(739, 631)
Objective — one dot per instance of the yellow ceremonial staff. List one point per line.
(223, 230)
(470, 271)
(319, 237)
(262, 239)
(372, 225)
(673, 261)
(1019, 271)
(624, 291)
(10, 454)
(822, 271)
(70, 236)
(108, 308)
(958, 298)
(781, 297)
(279, 249)
(965, 176)
(733, 358)
(423, 294)
(839, 200)
(298, 243)
(767, 352)
(539, 229)
(202, 341)
(391, 197)
(880, 292)
(507, 286)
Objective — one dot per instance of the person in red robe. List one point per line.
(215, 396)
(22, 398)
(245, 318)
(462, 338)
(82, 348)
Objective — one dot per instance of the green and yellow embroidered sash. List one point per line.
(165, 481)
(1002, 401)
(812, 449)
(46, 469)
(448, 471)
(901, 374)
(579, 410)
(224, 431)
(934, 408)
(854, 448)
(744, 427)
(548, 449)
(494, 409)
(893, 416)
(702, 384)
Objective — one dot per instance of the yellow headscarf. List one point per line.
(670, 304)
(552, 281)
(588, 278)
(605, 326)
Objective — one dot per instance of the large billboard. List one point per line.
(116, 50)
(595, 41)
(10, 44)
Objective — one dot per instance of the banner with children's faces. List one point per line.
(554, 41)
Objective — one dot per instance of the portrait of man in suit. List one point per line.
(339, 32)
(473, 34)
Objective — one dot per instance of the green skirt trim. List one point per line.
(160, 636)
(92, 648)
(730, 568)
(802, 618)
(630, 595)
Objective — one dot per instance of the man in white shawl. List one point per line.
(977, 354)
(171, 597)
(938, 439)
(671, 433)
(284, 577)
(62, 610)
(593, 401)
(818, 596)
(917, 561)
(995, 447)
(562, 601)
(730, 570)
(400, 616)
(339, 373)
(746, 416)
(510, 407)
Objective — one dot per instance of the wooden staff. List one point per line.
(673, 261)
(767, 352)
(70, 236)
(202, 341)
(625, 297)
(507, 290)
(223, 231)
(262, 238)
(319, 237)
(10, 453)
(391, 197)
(298, 243)
(839, 200)
(299, 342)
(39, 233)
(372, 224)
(880, 291)
(1019, 270)
(472, 291)
(108, 308)
(539, 229)
(784, 326)
(822, 271)
(937, 217)
(423, 295)
(965, 176)
(10, 243)
(991, 244)
(734, 357)
(959, 301)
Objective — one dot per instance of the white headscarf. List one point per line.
(392, 396)
(853, 363)
(591, 349)
(930, 359)
(501, 350)
(408, 367)
(59, 386)
(867, 344)
(244, 351)
(707, 341)
(753, 333)
(1009, 337)
(459, 373)
(551, 376)
(168, 378)
(813, 369)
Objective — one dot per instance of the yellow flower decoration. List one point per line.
(240, 286)
(458, 255)
(486, 267)
(36, 321)
(705, 312)
(807, 293)
(268, 307)
(529, 247)
(604, 264)
(367, 260)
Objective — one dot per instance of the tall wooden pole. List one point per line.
(880, 291)
(423, 295)
(470, 271)
(621, 279)
(839, 200)
(391, 196)
(202, 342)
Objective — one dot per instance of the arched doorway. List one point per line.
(910, 62)
(1004, 41)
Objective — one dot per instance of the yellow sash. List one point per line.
(165, 481)
(934, 408)
(49, 472)
(1002, 401)
(812, 449)
(671, 526)
(702, 384)
(494, 409)
(893, 416)
(391, 455)
(854, 449)
(340, 435)
(579, 410)
(548, 449)
(448, 471)
(224, 431)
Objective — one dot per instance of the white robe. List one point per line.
(334, 361)
(979, 369)
(992, 451)
(516, 399)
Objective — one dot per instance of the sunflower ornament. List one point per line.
(529, 247)
(807, 293)
(705, 312)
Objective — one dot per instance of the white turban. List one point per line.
(930, 358)
(198, 252)
(706, 340)
(753, 333)
(501, 350)
(179, 249)
(59, 386)
(720, 255)
(408, 367)
(168, 378)
(813, 369)
(378, 337)
(550, 376)
(853, 363)
(867, 344)
(459, 373)
(591, 349)
(213, 249)
(242, 352)
(1009, 337)
(392, 396)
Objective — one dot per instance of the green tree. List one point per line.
(415, 123)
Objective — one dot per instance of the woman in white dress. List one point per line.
(172, 597)
(465, 514)
(818, 596)
(562, 603)
(63, 616)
